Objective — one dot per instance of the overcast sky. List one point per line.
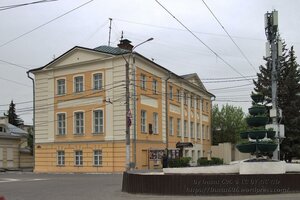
(173, 47)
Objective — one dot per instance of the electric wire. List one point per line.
(2, 8)
(44, 24)
(240, 50)
(215, 53)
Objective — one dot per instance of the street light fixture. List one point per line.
(128, 166)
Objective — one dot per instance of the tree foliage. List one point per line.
(288, 100)
(13, 118)
(227, 123)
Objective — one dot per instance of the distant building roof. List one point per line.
(111, 50)
(187, 76)
(11, 131)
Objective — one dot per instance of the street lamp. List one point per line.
(128, 107)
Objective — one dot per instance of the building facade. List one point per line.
(14, 153)
(80, 112)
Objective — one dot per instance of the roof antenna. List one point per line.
(122, 35)
(110, 20)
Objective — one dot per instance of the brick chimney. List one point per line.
(125, 44)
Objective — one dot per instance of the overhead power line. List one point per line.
(214, 52)
(44, 24)
(240, 50)
(2, 8)
(237, 86)
(227, 78)
(178, 29)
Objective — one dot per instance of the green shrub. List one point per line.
(179, 162)
(203, 161)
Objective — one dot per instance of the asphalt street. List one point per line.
(30, 186)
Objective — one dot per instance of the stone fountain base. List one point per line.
(238, 178)
(262, 167)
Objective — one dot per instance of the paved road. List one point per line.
(29, 186)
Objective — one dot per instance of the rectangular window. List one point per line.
(171, 127)
(207, 132)
(97, 80)
(61, 86)
(154, 86)
(61, 124)
(143, 121)
(155, 123)
(203, 130)
(60, 158)
(178, 127)
(143, 82)
(170, 92)
(192, 129)
(178, 95)
(192, 101)
(185, 128)
(78, 158)
(78, 84)
(206, 106)
(198, 130)
(97, 157)
(185, 99)
(202, 103)
(98, 121)
(197, 103)
(79, 123)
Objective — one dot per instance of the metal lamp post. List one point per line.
(128, 166)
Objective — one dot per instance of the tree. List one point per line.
(13, 118)
(288, 99)
(227, 123)
(30, 139)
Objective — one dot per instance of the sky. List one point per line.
(25, 44)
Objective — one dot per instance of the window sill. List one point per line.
(61, 135)
(98, 134)
(97, 166)
(78, 165)
(78, 134)
(61, 95)
(98, 90)
(75, 93)
(60, 165)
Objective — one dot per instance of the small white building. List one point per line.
(13, 155)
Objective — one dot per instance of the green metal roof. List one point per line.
(111, 50)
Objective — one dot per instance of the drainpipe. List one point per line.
(33, 126)
(167, 110)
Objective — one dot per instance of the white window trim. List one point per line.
(143, 84)
(145, 122)
(178, 127)
(185, 128)
(98, 165)
(83, 81)
(58, 158)
(153, 125)
(93, 127)
(74, 123)
(56, 88)
(171, 126)
(170, 92)
(75, 158)
(66, 123)
(92, 81)
(154, 89)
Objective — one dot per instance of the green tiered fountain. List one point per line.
(257, 140)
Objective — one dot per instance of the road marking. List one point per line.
(7, 180)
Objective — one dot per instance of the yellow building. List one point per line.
(80, 114)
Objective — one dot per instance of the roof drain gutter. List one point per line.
(33, 126)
